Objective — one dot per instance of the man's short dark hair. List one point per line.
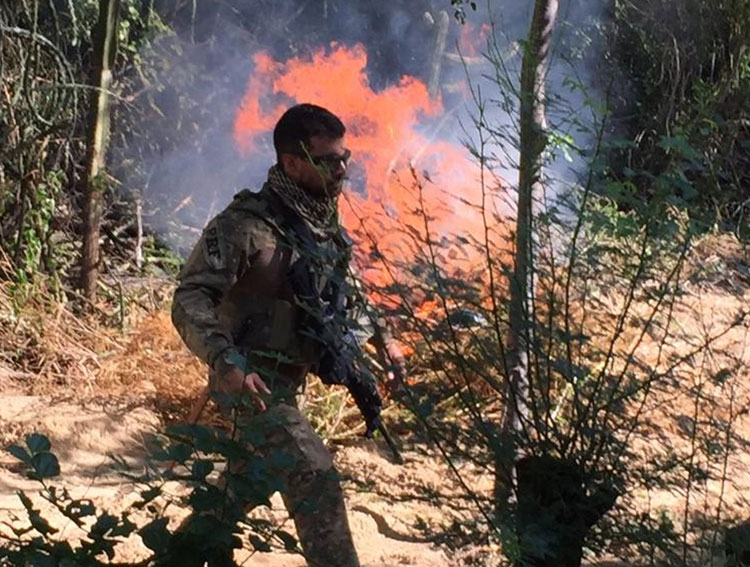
(302, 122)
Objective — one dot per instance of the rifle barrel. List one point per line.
(391, 444)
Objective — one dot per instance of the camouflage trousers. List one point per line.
(309, 485)
(312, 493)
(282, 444)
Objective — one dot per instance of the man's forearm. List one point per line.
(200, 331)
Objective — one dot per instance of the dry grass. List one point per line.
(50, 350)
(154, 360)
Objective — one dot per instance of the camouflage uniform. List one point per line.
(234, 295)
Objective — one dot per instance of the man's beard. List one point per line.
(334, 189)
(329, 190)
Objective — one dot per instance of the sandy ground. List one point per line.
(411, 514)
(390, 523)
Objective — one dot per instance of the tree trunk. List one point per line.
(557, 501)
(105, 46)
(532, 144)
(139, 232)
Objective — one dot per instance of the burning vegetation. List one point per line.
(411, 181)
(575, 359)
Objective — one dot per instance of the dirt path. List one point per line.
(391, 524)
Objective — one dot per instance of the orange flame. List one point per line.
(408, 170)
(472, 38)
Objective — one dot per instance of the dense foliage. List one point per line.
(682, 78)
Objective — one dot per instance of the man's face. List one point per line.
(320, 168)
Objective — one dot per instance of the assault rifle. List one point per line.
(326, 322)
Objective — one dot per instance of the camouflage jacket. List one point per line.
(234, 291)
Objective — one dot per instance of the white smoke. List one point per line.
(212, 60)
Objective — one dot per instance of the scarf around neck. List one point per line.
(319, 212)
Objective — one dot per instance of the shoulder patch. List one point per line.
(214, 245)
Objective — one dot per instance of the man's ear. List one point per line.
(289, 164)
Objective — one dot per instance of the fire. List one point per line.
(403, 164)
(473, 38)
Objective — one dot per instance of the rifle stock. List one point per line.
(326, 323)
(363, 388)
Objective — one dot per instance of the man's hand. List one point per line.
(235, 382)
(397, 371)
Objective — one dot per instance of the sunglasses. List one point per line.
(329, 161)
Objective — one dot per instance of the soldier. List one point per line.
(235, 302)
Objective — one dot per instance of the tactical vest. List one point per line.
(261, 308)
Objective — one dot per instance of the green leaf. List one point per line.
(201, 469)
(104, 524)
(45, 465)
(179, 452)
(290, 542)
(206, 527)
(203, 499)
(679, 145)
(425, 408)
(155, 535)
(20, 453)
(80, 509)
(259, 544)
(38, 443)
